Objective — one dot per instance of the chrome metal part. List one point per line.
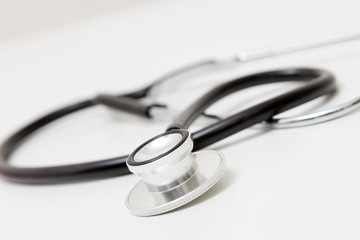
(297, 47)
(315, 118)
(171, 174)
(207, 65)
(164, 84)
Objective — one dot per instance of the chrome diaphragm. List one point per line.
(171, 174)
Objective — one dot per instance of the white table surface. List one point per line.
(299, 183)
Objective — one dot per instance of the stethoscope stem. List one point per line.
(211, 64)
(297, 47)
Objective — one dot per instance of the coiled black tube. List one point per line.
(318, 83)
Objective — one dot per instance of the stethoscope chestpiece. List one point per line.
(171, 174)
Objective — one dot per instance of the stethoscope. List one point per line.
(171, 174)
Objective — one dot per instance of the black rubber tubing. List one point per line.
(318, 83)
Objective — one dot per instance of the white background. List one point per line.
(299, 183)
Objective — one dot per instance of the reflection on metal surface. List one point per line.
(171, 174)
(318, 117)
